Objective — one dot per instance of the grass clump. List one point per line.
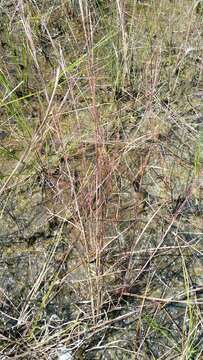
(100, 197)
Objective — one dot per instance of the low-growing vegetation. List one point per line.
(101, 179)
